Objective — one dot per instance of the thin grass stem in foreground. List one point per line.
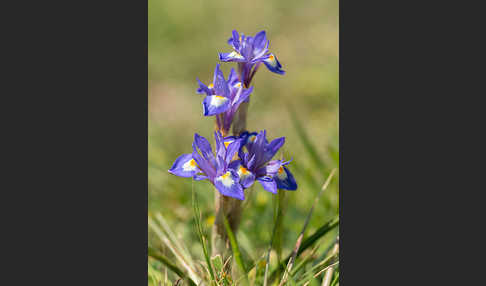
(277, 221)
(326, 281)
(197, 218)
(320, 272)
(308, 242)
(301, 235)
(175, 251)
(234, 248)
(152, 252)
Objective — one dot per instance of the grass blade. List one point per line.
(152, 252)
(248, 250)
(308, 242)
(280, 210)
(277, 226)
(173, 238)
(154, 274)
(217, 263)
(322, 263)
(326, 281)
(301, 235)
(320, 272)
(304, 261)
(318, 234)
(336, 279)
(309, 147)
(175, 251)
(333, 258)
(197, 217)
(234, 247)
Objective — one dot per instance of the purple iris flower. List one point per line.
(249, 52)
(256, 163)
(203, 164)
(223, 98)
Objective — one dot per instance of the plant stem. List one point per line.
(231, 209)
(226, 206)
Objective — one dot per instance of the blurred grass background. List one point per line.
(185, 37)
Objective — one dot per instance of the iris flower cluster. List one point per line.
(249, 53)
(237, 161)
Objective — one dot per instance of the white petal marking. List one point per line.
(271, 60)
(189, 166)
(226, 179)
(217, 100)
(235, 54)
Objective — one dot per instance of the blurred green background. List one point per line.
(185, 37)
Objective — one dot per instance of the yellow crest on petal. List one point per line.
(243, 172)
(226, 143)
(189, 165)
(281, 174)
